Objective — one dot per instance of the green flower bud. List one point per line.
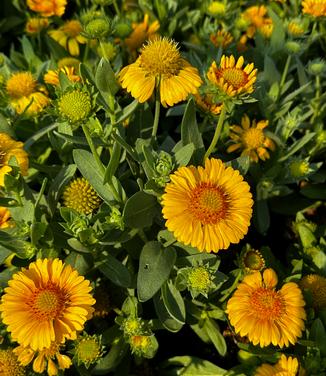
(299, 168)
(122, 29)
(317, 67)
(293, 47)
(115, 219)
(75, 105)
(216, 8)
(87, 349)
(98, 28)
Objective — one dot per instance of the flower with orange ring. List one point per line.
(48, 8)
(45, 303)
(231, 78)
(315, 8)
(52, 76)
(221, 39)
(286, 366)
(266, 315)
(208, 207)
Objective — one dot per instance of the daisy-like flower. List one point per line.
(251, 261)
(45, 303)
(231, 78)
(81, 196)
(52, 76)
(142, 32)
(47, 359)
(208, 207)
(9, 364)
(69, 36)
(206, 104)
(316, 284)
(35, 25)
(256, 17)
(4, 218)
(266, 315)
(48, 8)
(11, 148)
(25, 94)
(315, 8)
(221, 39)
(251, 139)
(160, 63)
(295, 28)
(286, 366)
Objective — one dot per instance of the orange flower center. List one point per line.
(48, 303)
(253, 138)
(267, 304)
(208, 203)
(234, 77)
(72, 28)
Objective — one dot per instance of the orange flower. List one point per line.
(221, 39)
(35, 25)
(316, 8)
(4, 218)
(48, 8)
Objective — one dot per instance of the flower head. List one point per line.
(315, 8)
(216, 8)
(251, 260)
(5, 218)
(160, 63)
(9, 364)
(295, 28)
(206, 104)
(69, 36)
(80, 196)
(45, 303)
(75, 105)
(142, 32)
(231, 78)
(299, 168)
(35, 25)
(87, 349)
(52, 76)
(11, 148)
(286, 366)
(199, 278)
(316, 284)
(208, 207)
(266, 315)
(48, 359)
(251, 139)
(48, 8)
(221, 39)
(21, 84)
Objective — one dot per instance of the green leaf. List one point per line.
(213, 331)
(127, 111)
(39, 134)
(105, 78)
(140, 210)
(190, 132)
(165, 318)
(183, 155)
(88, 168)
(115, 271)
(318, 334)
(261, 216)
(193, 366)
(298, 145)
(4, 253)
(314, 191)
(125, 146)
(173, 302)
(5, 126)
(155, 265)
(82, 263)
(241, 163)
(277, 40)
(113, 164)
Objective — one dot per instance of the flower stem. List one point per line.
(116, 8)
(217, 133)
(157, 111)
(285, 72)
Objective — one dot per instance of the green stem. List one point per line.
(285, 72)
(157, 111)
(217, 133)
(18, 199)
(316, 100)
(116, 8)
(93, 149)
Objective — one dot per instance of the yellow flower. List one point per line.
(267, 316)
(35, 25)
(69, 37)
(299, 168)
(11, 148)
(252, 261)
(251, 139)
(52, 76)
(141, 33)
(25, 94)
(316, 8)
(216, 8)
(284, 367)
(221, 39)
(295, 28)
(208, 207)
(48, 8)
(206, 104)
(45, 303)
(255, 15)
(160, 63)
(9, 364)
(316, 284)
(231, 78)
(140, 344)
(75, 105)
(80, 195)
(266, 29)
(45, 359)
(4, 218)
(69, 62)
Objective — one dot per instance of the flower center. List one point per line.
(161, 57)
(21, 84)
(72, 28)
(199, 278)
(267, 304)
(253, 260)
(48, 303)
(9, 364)
(75, 105)
(253, 138)
(234, 76)
(208, 203)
